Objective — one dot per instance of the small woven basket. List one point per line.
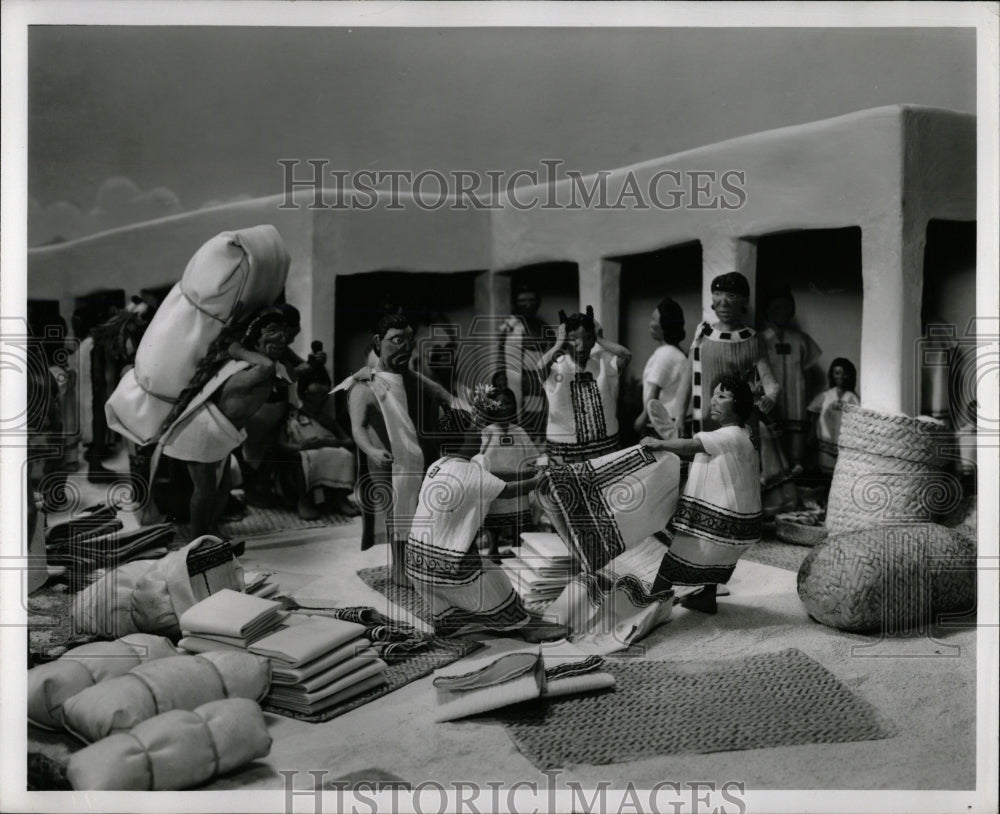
(793, 527)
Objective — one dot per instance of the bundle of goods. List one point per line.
(543, 567)
(317, 663)
(229, 620)
(51, 684)
(888, 471)
(801, 528)
(174, 682)
(510, 673)
(149, 596)
(175, 750)
(889, 577)
(228, 277)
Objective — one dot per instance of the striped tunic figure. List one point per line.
(714, 353)
(583, 407)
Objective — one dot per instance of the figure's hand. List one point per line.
(598, 330)
(234, 349)
(765, 404)
(640, 422)
(651, 443)
(561, 340)
(381, 457)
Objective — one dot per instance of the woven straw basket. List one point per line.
(889, 578)
(794, 528)
(887, 472)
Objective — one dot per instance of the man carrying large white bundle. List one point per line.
(203, 359)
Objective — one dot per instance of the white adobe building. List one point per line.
(869, 217)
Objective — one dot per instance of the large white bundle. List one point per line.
(232, 274)
(49, 685)
(175, 682)
(175, 750)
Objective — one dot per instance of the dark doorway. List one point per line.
(947, 374)
(428, 298)
(822, 269)
(647, 278)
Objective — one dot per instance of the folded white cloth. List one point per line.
(332, 700)
(175, 750)
(283, 674)
(308, 641)
(231, 613)
(327, 677)
(570, 670)
(283, 695)
(202, 644)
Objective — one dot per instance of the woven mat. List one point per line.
(265, 521)
(407, 598)
(443, 651)
(660, 708)
(778, 554)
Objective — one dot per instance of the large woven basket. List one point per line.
(887, 472)
(889, 578)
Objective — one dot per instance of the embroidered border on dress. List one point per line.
(709, 522)
(588, 410)
(584, 451)
(433, 566)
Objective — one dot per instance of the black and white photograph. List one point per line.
(499, 407)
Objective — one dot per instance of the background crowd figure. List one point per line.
(735, 405)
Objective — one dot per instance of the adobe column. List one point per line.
(600, 283)
(892, 253)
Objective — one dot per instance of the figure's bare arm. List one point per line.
(440, 394)
(362, 407)
(681, 447)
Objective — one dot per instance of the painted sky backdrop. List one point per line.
(180, 117)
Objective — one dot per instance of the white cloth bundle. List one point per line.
(180, 682)
(150, 595)
(231, 274)
(49, 685)
(174, 750)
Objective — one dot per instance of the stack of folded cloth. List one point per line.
(510, 673)
(318, 662)
(85, 554)
(543, 567)
(229, 620)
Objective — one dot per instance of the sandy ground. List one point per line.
(923, 687)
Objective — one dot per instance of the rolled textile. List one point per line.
(150, 595)
(507, 673)
(175, 750)
(231, 274)
(570, 670)
(51, 684)
(178, 682)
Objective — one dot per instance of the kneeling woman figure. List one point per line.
(719, 515)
